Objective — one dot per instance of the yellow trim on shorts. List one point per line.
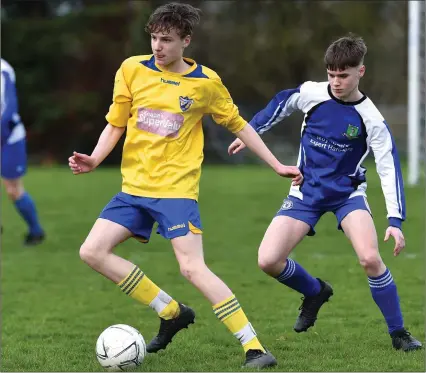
(140, 239)
(194, 229)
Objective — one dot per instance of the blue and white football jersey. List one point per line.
(336, 137)
(12, 129)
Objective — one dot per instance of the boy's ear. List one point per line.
(186, 41)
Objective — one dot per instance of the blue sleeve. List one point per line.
(281, 106)
(9, 100)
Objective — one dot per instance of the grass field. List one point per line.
(54, 307)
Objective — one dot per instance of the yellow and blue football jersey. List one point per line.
(163, 111)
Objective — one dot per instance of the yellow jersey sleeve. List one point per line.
(119, 111)
(222, 108)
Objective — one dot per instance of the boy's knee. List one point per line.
(90, 254)
(192, 270)
(270, 265)
(371, 262)
(14, 191)
(264, 263)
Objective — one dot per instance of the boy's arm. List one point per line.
(107, 141)
(225, 112)
(117, 117)
(254, 142)
(389, 170)
(83, 163)
(9, 100)
(282, 105)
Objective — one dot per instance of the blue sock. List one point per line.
(295, 277)
(384, 293)
(26, 207)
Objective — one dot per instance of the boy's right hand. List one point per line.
(292, 172)
(81, 163)
(236, 146)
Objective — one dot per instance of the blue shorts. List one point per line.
(14, 160)
(300, 210)
(175, 216)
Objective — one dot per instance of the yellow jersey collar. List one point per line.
(190, 61)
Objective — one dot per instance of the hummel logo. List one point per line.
(172, 82)
(177, 226)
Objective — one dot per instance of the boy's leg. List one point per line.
(359, 227)
(97, 250)
(25, 206)
(13, 168)
(179, 221)
(119, 221)
(189, 253)
(291, 224)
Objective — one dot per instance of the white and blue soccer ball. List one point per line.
(120, 347)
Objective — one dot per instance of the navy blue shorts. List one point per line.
(175, 216)
(14, 160)
(300, 210)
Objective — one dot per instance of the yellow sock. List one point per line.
(232, 315)
(141, 288)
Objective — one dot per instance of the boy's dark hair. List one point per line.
(178, 16)
(348, 51)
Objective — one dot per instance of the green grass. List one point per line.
(54, 307)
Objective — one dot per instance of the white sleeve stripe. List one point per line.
(267, 124)
(359, 163)
(290, 102)
(18, 133)
(280, 112)
(399, 192)
(3, 96)
(299, 157)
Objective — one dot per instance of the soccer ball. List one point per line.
(120, 347)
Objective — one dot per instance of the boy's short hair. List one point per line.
(178, 16)
(348, 51)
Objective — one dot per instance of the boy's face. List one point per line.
(168, 48)
(344, 82)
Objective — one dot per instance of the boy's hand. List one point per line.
(290, 171)
(236, 146)
(396, 233)
(81, 163)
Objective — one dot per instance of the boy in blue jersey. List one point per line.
(340, 125)
(14, 156)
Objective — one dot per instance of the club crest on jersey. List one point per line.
(185, 102)
(287, 205)
(351, 132)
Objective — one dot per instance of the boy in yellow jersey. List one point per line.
(161, 99)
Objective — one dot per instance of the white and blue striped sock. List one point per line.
(297, 278)
(385, 294)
